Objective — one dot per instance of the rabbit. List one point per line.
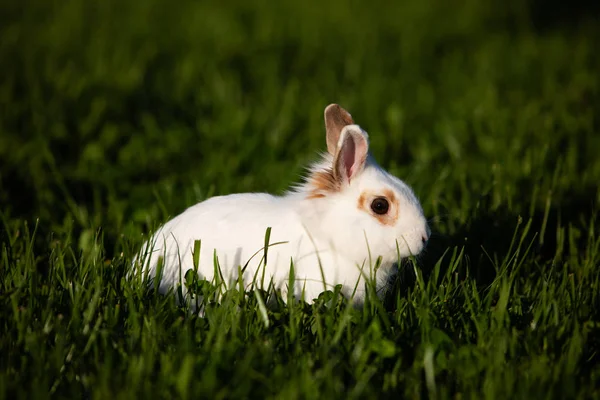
(333, 226)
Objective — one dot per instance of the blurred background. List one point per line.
(119, 114)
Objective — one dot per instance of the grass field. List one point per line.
(115, 116)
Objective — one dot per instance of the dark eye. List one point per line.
(380, 205)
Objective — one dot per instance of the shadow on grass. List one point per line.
(487, 235)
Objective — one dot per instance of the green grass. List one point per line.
(115, 116)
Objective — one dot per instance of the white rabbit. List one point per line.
(346, 214)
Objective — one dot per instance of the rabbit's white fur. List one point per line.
(325, 225)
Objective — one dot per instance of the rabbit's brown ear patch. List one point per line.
(336, 118)
(366, 198)
(321, 183)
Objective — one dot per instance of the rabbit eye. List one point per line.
(380, 205)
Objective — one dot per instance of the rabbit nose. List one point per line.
(424, 239)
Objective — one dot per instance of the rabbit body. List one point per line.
(233, 228)
(333, 227)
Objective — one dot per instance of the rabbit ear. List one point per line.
(336, 118)
(351, 155)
